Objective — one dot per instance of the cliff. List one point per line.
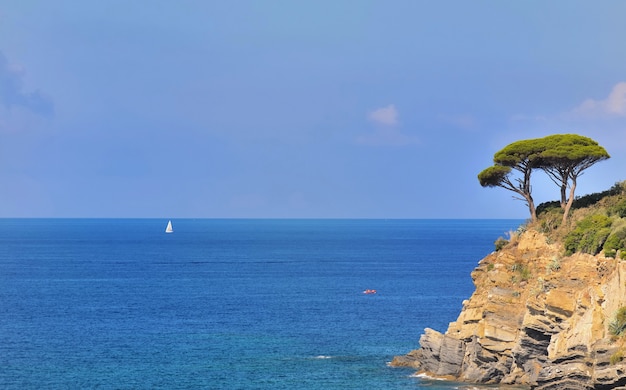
(537, 318)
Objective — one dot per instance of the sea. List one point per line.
(230, 303)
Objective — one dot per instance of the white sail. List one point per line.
(169, 229)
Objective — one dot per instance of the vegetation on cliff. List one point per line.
(549, 309)
(597, 223)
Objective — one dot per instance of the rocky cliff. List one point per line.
(536, 318)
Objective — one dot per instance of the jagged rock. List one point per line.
(411, 359)
(536, 319)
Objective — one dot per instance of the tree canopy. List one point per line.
(519, 156)
(563, 157)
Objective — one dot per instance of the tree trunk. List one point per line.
(527, 189)
(570, 201)
(531, 207)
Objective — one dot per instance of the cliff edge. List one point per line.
(537, 318)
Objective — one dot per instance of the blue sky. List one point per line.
(297, 109)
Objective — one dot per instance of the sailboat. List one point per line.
(169, 229)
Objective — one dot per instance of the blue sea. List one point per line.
(229, 304)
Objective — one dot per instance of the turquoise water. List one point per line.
(228, 304)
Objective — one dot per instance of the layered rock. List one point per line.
(536, 318)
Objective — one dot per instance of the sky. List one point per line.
(298, 109)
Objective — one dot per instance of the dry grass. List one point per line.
(617, 357)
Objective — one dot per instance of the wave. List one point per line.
(426, 376)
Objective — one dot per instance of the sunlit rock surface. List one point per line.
(537, 319)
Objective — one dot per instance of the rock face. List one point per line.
(536, 319)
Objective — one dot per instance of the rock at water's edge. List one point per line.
(536, 319)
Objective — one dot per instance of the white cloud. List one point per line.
(386, 116)
(386, 132)
(613, 105)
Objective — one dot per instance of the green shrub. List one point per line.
(589, 234)
(591, 199)
(617, 326)
(619, 209)
(548, 207)
(593, 245)
(615, 242)
(501, 243)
